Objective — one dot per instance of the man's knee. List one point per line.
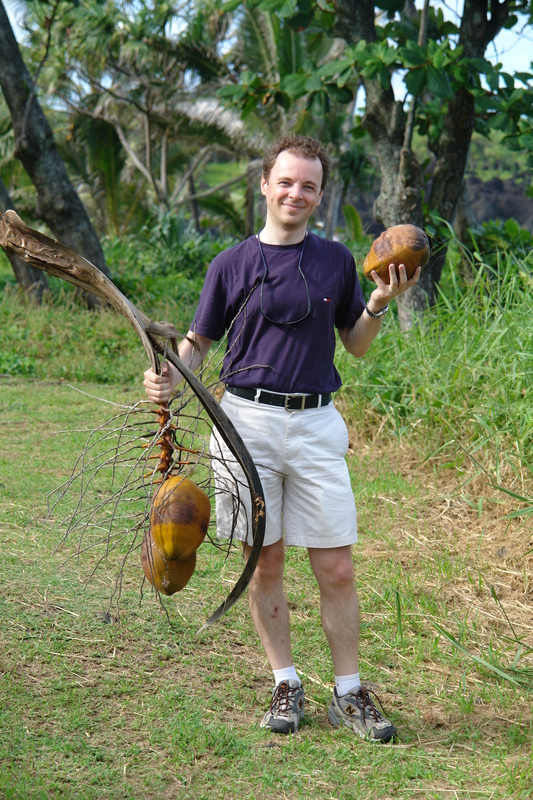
(271, 563)
(333, 568)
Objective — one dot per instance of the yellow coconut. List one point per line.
(179, 518)
(401, 244)
(167, 576)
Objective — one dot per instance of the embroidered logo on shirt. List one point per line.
(327, 300)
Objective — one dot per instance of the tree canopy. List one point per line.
(170, 105)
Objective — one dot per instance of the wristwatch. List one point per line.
(378, 314)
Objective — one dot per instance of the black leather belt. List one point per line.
(291, 402)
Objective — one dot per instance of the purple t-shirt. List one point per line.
(262, 351)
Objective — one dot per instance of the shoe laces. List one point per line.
(283, 697)
(367, 705)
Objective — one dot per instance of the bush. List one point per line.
(496, 240)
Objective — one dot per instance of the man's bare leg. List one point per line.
(339, 606)
(340, 619)
(268, 605)
(270, 613)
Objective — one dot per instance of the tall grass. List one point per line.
(460, 380)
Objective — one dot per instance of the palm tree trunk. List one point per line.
(32, 280)
(58, 202)
(194, 204)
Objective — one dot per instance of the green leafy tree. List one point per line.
(450, 89)
(170, 81)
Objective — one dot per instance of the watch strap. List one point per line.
(376, 314)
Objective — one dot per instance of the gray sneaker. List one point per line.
(286, 708)
(356, 710)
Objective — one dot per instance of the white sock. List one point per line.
(286, 674)
(345, 683)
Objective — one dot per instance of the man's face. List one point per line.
(292, 191)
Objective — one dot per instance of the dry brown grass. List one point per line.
(460, 518)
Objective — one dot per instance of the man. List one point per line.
(280, 295)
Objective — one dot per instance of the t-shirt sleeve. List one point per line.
(352, 302)
(210, 317)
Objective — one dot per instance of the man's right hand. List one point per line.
(192, 351)
(159, 387)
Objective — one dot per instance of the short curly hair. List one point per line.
(303, 146)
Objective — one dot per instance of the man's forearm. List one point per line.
(358, 339)
(192, 350)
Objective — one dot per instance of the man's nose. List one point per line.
(295, 191)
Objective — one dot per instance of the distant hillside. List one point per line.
(500, 199)
(497, 181)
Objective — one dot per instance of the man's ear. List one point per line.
(264, 183)
(320, 198)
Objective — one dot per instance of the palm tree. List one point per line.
(123, 68)
(59, 205)
(167, 80)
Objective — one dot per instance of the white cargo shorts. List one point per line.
(300, 458)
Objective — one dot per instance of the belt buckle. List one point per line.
(289, 397)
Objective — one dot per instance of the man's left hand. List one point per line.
(398, 283)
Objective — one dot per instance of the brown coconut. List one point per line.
(179, 518)
(401, 244)
(167, 576)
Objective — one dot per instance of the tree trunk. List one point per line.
(332, 210)
(454, 144)
(194, 204)
(355, 20)
(402, 190)
(251, 178)
(32, 280)
(464, 217)
(463, 221)
(58, 203)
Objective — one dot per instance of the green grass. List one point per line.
(460, 380)
(146, 708)
(92, 706)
